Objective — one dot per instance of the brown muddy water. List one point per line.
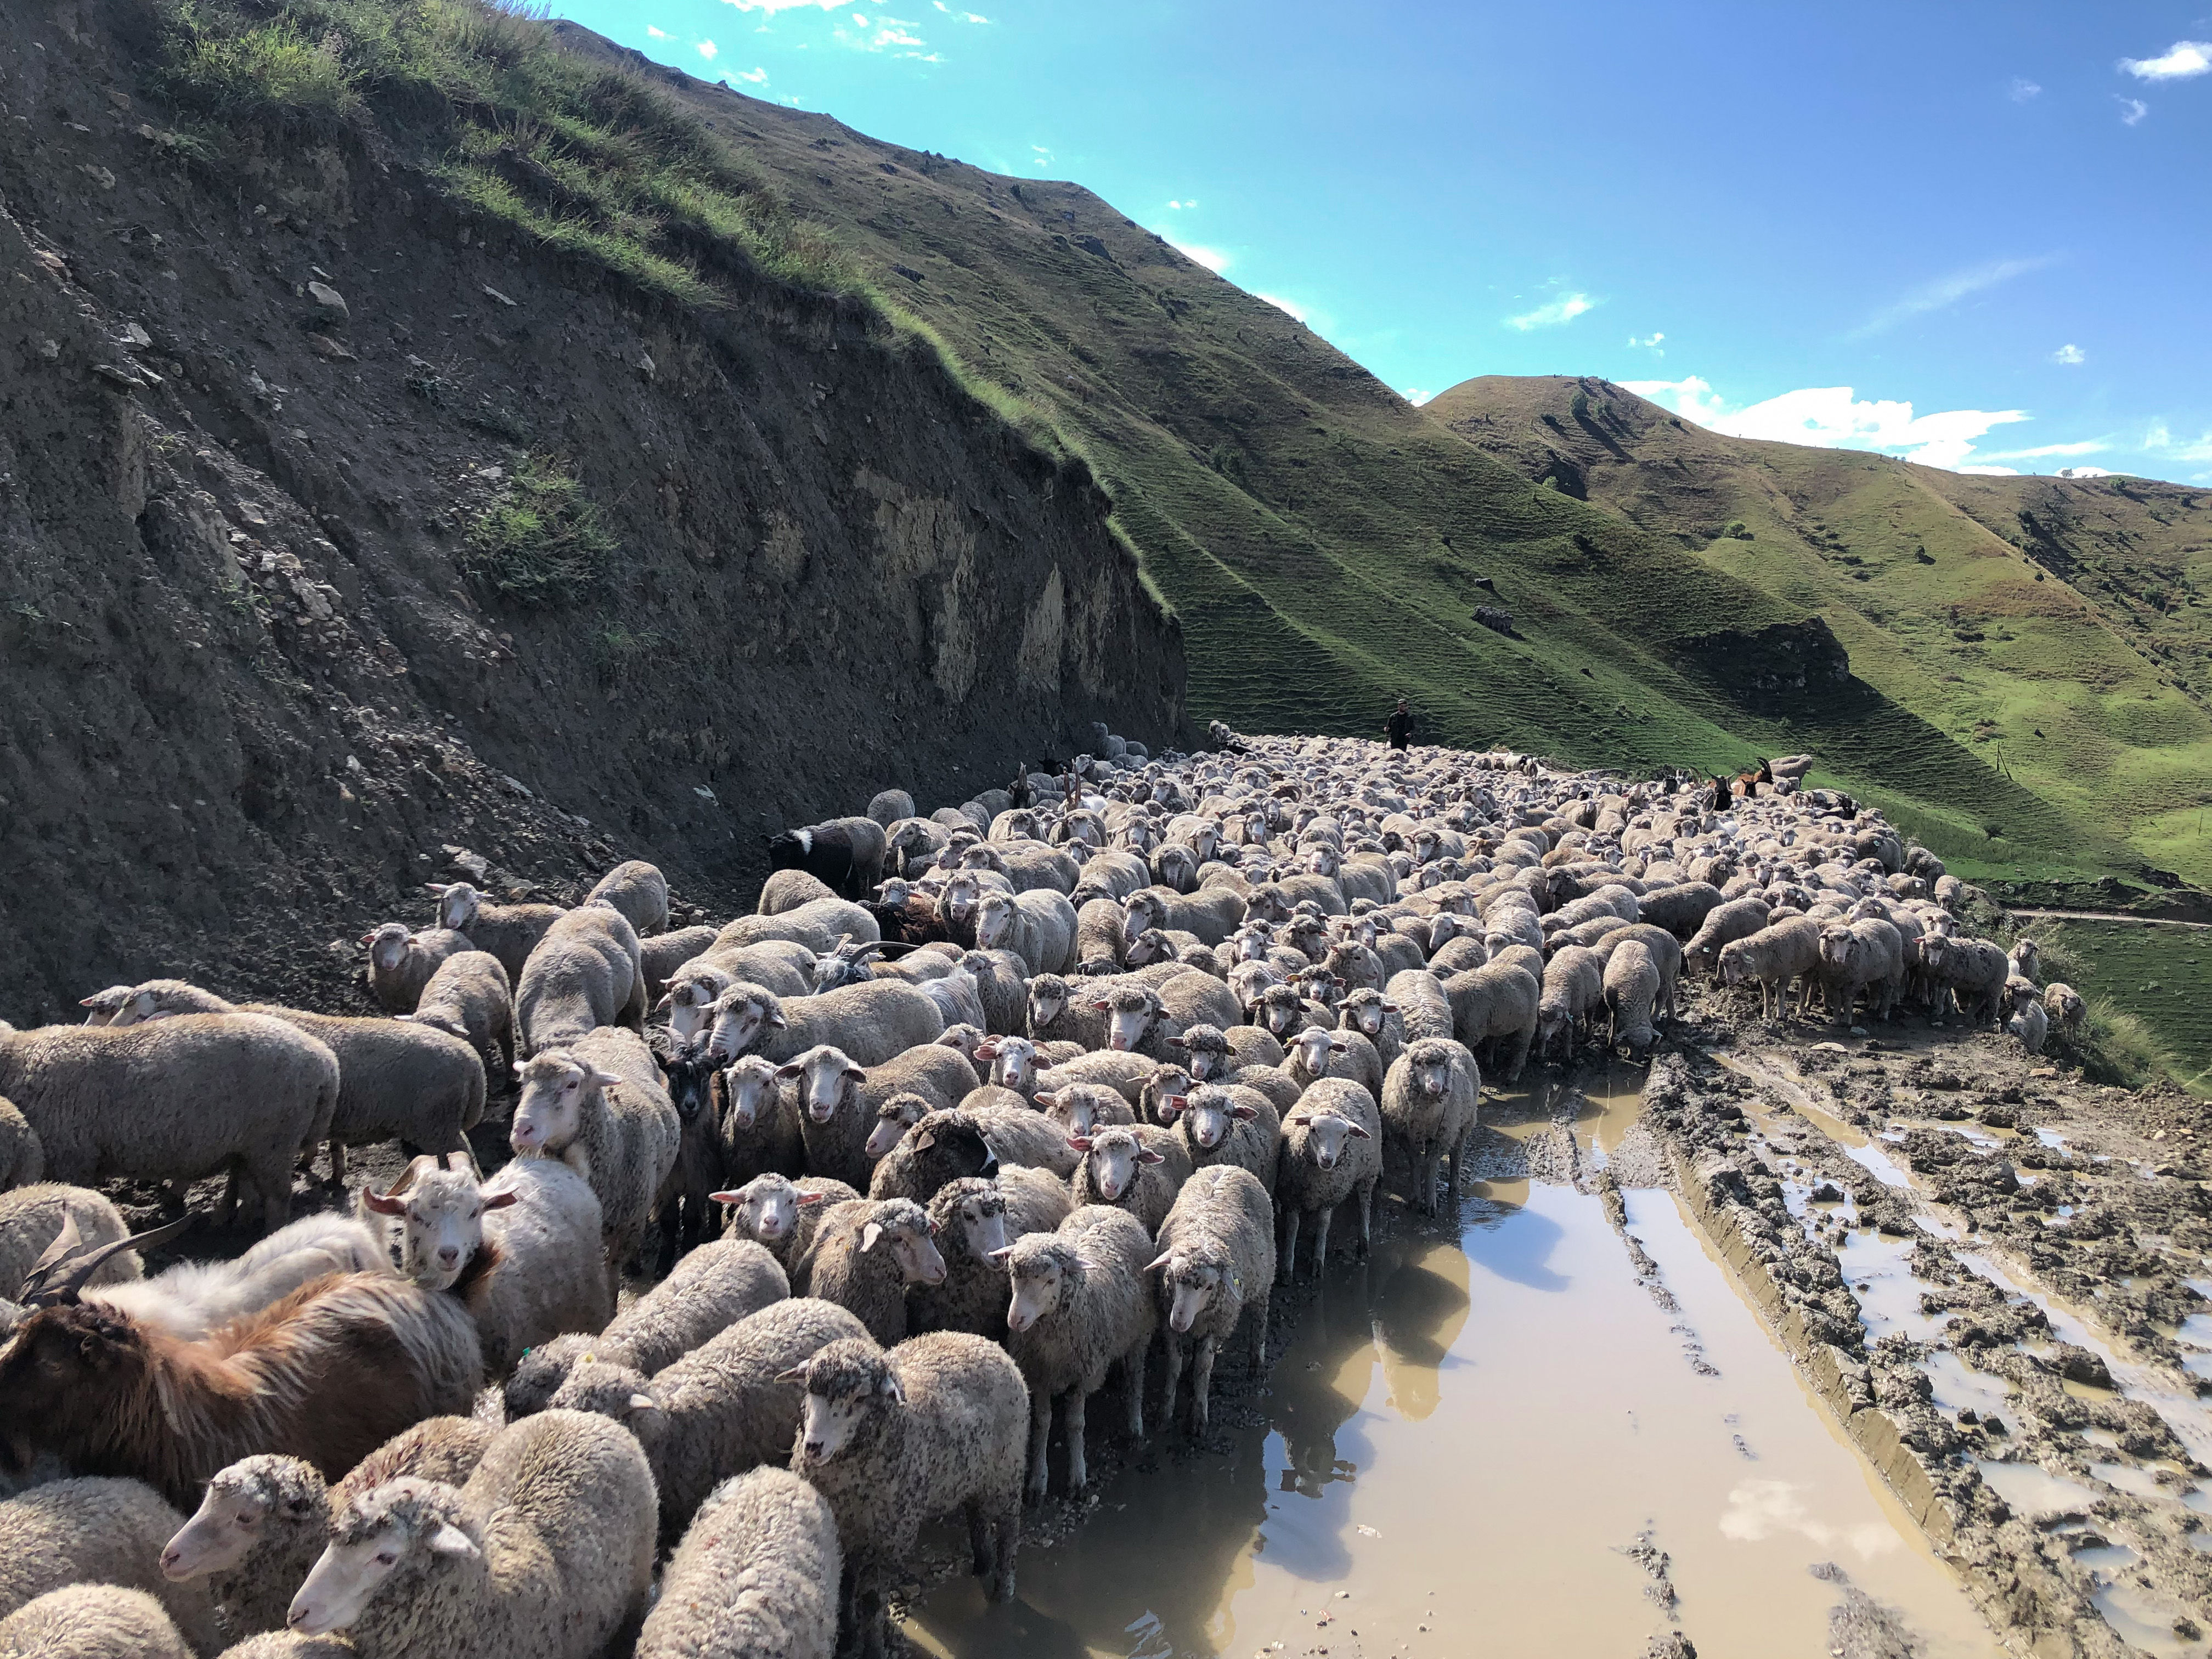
(1474, 1443)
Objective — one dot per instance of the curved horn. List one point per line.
(59, 1283)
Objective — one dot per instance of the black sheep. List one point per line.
(845, 854)
(688, 1218)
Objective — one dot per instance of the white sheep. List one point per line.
(1332, 1153)
(401, 962)
(1217, 1267)
(508, 1248)
(599, 1104)
(756, 1576)
(471, 997)
(975, 1217)
(895, 1439)
(96, 1530)
(585, 972)
(870, 1022)
(546, 1552)
(1431, 1102)
(865, 1253)
(91, 1621)
(638, 892)
(506, 932)
(710, 1289)
(781, 1214)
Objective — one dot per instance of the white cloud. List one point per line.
(2087, 447)
(708, 49)
(1763, 1509)
(1565, 309)
(1182, 207)
(2181, 60)
(964, 16)
(2068, 354)
(2132, 110)
(1416, 397)
(1988, 471)
(2022, 89)
(1281, 304)
(1650, 344)
(1946, 291)
(2161, 440)
(657, 34)
(1833, 417)
(757, 76)
(1212, 258)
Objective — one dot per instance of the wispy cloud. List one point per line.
(1415, 396)
(1650, 343)
(1946, 291)
(1182, 207)
(772, 7)
(2044, 451)
(1835, 417)
(757, 76)
(960, 17)
(878, 33)
(1213, 258)
(2069, 353)
(657, 34)
(2162, 441)
(1553, 313)
(2022, 89)
(1295, 309)
(708, 49)
(1767, 1509)
(2132, 110)
(2179, 62)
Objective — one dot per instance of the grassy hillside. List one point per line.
(1320, 539)
(2051, 626)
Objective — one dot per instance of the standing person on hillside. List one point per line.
(1399, 728)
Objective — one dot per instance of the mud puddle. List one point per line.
(1492, 1437)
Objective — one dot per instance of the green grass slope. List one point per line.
(1320, 539)
(2049, 625)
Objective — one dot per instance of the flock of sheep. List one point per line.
(977, 1111)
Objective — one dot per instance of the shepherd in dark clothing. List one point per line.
(1399, 728)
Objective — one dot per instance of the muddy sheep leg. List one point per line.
(1078, 1471)
(1322, 1217)
(1521, 1054)
(979, 1542)
(1132, 1386)
(1175, 1348)
(1425, 1178)
(1201, 1384)
(1039, 1432)
(1367, 1219)
(1006, 1538)
(1286, 1258)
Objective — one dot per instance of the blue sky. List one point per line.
(1973, 232)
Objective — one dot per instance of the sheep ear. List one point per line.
(812, 1200)
(890, 1390)
(1358, 1133)
(726, 1198)
(1178, 1042)
(1389, 1007)
(450, 1540)
(785, 1073)
(1338, 1048)
(1180, 1102)
(520, 1066)
(383, 1203)
(643, 1402)
(1148, 1155)
(987, 1051)
(1247, 1113)
(777, 1020)
(856, 1073)
(869, 1235)
(1003, 1255)
(1101, 1005)
(796, 1374)
(1048, 1101)
(1155, 1264)
(605, 1080)
(500, 1200)
(667, 997)
(924, 1140)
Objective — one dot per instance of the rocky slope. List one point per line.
(257, 407)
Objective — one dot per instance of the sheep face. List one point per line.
(1280, 1010)
(1149, 947)
(690, 1002)
(387, 947)
(1365, 1012)
(981, 1220)
(841, 1399)
(749, 1088)
(1129, 1016)
(742, 1015)
(1206, 1052)
(893, 1119)
(457, 905)
(825, 1076)
(1117, 1158)
(1038, 1266)
(1048, 1000)
(1075, 1109)
(104, 1005)
(903, 1228)
(849, 964)
(228, 1524)
(1013, 1062)
(441, 1220)
(1429, 1073)
(555, 1088)
(378, 1532)
(1308, 1051)
(964, 1038)
(962, 892)
(995, 917)
(1327, 1135)
(1193, 1279)
(766, 1209)
(1209, 1117)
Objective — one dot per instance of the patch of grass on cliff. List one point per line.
(541, 541)
(586, 158)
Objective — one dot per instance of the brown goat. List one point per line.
(326, 1375)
